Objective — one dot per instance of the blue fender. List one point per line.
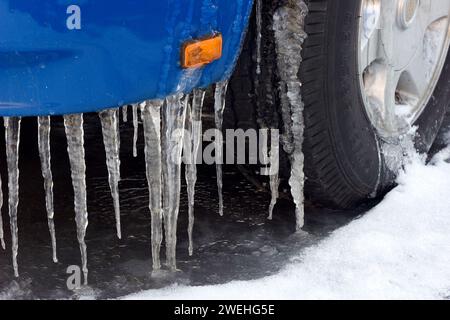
(54, 61)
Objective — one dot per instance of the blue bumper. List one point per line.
(124, 52)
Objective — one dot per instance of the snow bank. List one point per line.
(398, 250)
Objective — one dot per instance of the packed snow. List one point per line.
(398, 250)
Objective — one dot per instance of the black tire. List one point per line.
(344, 161)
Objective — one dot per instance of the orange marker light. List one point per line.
(198, 53)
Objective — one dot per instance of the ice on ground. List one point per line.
(398, 250)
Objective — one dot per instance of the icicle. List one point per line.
(136, 129)
(2, 240)
(274, 182)
(173, 122)
(219, 107)
(274, 178)
(194, 126)
(289, 38)
(109, 122)
(12, 137)
(75, 147)
(151, 115)
(258, 35)
(270, 158)
(125, 113)
(45, 156)
(118, 132)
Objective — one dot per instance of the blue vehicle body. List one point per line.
(124, 52)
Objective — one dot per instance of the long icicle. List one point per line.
(135, 129)
(75, 147)
(289, 28)
(173, 122)
(194, 126)
(109, 120)
(45, 157)
(2, 240)
(12, 137)
(151, 115)
(219, 107)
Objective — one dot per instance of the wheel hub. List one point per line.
(403, 48)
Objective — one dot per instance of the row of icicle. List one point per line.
(163, 150)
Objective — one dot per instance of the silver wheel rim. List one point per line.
(403, 45)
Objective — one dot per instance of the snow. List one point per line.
(398, 250)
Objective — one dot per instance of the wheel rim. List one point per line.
(403, 45)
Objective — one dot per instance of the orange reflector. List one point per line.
(198, 53)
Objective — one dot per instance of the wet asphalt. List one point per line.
(241, 245)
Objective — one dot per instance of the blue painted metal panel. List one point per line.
(125, 52)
